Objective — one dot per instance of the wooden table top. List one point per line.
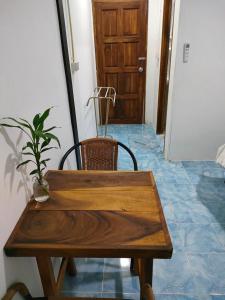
(94, 214)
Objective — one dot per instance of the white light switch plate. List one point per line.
(186, 52)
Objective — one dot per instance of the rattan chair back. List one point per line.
(99, 154)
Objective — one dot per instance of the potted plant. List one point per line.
(39, 140)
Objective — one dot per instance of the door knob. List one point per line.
(140, 69)
(141, 58)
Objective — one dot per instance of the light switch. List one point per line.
(186, 52)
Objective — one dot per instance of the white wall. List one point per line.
(155, 17)
(196, 119)
(31, 80)
(84, 80)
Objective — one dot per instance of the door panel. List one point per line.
(120, 39)
(130, 54)
(131, 21)
(109, 22)
(111, 55)
(111, 79)
(128, 83)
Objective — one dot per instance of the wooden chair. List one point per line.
(148, 293)
(100, 154)
(23, 291)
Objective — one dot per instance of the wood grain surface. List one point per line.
(63, 180)
(113, 200)
(83, 220)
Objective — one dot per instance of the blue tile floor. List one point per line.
(193, 199)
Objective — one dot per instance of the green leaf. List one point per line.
(20, 126)
(52, 136)
(40, 134)
(38, 156)
(46, 149)
(13, 126)
(46, 136)
(43, 162)
(23, 163)
(34, 172)
(28, 125)
(49, 129)
(36, 121)
(30, 145)
(40, 127)
(27, 153)
(44, 116)
(45, 143)
(16, 121)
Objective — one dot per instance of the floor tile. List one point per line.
(177, 192)
(181, 297)
(130, 296)
(208, 269)
(173, 276)
(219, 229)
(176, 237)
(216, 207)
(117, 277)
(203, 173)
(188, 212)
(73, 293)
(193, 198)
(89, 276)
(200, 238)
(217, 297)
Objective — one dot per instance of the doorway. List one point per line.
(121, 49)
(126, 77)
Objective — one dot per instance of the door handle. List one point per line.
(140, 69)
(141, 58)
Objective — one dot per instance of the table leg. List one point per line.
(145, 273)
(47, 275)
(134, 267)
(71, 267)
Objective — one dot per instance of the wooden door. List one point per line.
(121, 50)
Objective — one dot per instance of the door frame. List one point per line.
(176, 22)
(163, 89)
(69, 82)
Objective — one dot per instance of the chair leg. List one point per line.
(17, 288)
(148, 293)
(71, 267)
(134, 266)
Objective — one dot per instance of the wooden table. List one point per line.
(93, 214)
